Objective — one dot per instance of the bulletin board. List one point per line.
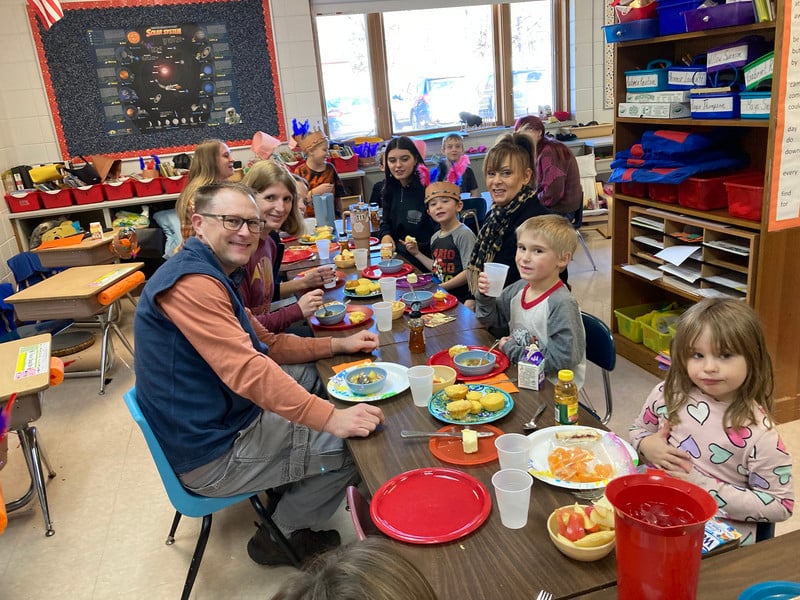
(133, 77)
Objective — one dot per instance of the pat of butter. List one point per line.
(469, 440)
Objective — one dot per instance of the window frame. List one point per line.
(501, 27)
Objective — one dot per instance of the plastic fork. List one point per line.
(544, 595)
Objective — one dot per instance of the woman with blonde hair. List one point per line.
(211, 163)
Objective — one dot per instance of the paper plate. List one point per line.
(443, 358)
(396, 382)
(438, 402)
(374, 272)
(771, 590)
(430, 506)
(451, 450)
(438, 306)
(543, 441)
(291, 256)
(345, 323)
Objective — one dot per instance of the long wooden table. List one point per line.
(725, 576)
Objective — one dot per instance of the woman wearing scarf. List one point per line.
(508, 168)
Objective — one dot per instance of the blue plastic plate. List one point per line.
(438, 402)
(771, 590)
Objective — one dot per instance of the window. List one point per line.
(402, 72)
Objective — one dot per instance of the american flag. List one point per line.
(49, 11)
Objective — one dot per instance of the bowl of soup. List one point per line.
(474, 362)
(331, 313)
(367, 380)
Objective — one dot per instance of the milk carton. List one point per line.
(530, 369)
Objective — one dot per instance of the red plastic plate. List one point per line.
(438, 306)
(291, 256)
(443, 358)
(451, 450)
(430, 506)
(374, 272)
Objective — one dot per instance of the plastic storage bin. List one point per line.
(174, 184)
(633, 188)
(627, 324)
(746, 197)
(736, 55)
(715, 106)
(23, 201)
(722, 15)
(687, 77)
(88, 194)
(759, 71)
(345, 165)
(663, 192)
(704, 192)
(56, 198)
(118, 190)
(754, 105)
(634, 30)
(148, 187)
(625, 14)
(670, 15)
(651, 79)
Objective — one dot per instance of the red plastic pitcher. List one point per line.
(659, 523)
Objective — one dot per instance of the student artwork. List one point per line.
(125, 243)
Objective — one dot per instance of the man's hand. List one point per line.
(357, 421)
(660, 454)
(363, 341)
(310, 302)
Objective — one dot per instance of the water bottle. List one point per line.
(566, 399)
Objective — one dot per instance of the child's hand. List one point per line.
(503, 341)
(411, 246)
(323, 188)
(663, 456)
(483, 283)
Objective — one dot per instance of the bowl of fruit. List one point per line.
(398, 308)
(442, 377)
(583, 532)
(365, 381)
(345, 259)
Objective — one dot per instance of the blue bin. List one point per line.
(670, 15)
(633, 30)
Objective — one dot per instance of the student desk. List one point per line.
(88, 252)
(25, 370)
(72, 294)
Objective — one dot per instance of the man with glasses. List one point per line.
(209, 381)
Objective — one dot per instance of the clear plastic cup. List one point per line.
(513, 451)
(362, 258)
(324, 249)
(310, 224)
(512, 487)
(420, 378)
(383, 315)
(497, 277)
(388, 288)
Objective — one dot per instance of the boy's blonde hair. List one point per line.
(453, 137)
(734, 329)
(555, 230)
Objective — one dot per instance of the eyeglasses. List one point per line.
(235, 223)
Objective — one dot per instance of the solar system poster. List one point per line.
(162, 77)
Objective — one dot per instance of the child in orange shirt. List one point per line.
(321, 176)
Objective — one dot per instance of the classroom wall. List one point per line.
(27, 133)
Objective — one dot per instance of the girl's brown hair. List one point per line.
(202, 171)
(734, 329)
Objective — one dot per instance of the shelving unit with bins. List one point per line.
(101, 212)
(769, 270)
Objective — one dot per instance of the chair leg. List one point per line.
(30, 449)
(275, 533)
(199, 550)
(609, 400)
(585, 247)
(173, 529)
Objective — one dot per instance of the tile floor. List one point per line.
(111, 514)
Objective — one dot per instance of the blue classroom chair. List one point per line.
(600, 350)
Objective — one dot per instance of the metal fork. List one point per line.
(544, 595)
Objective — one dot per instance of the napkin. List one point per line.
(506, 387)
(355, 363)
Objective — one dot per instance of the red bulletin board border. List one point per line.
(73, 6)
